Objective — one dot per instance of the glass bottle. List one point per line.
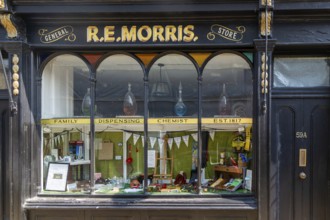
(223, 102)
(180, 108)
(86, 103)
(129, 105)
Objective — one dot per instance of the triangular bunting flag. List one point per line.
(186, 139)
(195, 136)
(177, 140)
(160, 143)
(152, 141)
(212, 135)
(127, 136)
(135, 138)
(170, 143)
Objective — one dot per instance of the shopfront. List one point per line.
(171, 111)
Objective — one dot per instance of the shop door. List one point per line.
(300, 159)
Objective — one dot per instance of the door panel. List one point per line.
(282, 159)
(300, 124)
(320, 145)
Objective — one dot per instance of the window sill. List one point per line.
(235, 203)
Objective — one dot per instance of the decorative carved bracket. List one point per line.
(2, 4)
(266, 23)
(8, 23)
(267, 2)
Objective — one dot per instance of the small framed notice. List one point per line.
(57, 176)
(151, 158)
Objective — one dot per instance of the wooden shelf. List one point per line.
(228, 169)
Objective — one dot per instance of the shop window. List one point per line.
(301, 72)
(173, 111)
(119, 128)
(227, 122)
(65, 140)
(123, 145)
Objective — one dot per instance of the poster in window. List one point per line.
(151, 158)
(57, 176)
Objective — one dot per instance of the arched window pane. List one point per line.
(64, 82)
(115, 76)
(165, 78)
(229, 75)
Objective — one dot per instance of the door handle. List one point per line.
(302, 162)
(302, 157)
(302, 175)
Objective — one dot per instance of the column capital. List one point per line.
(260, 44)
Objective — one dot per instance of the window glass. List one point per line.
(3, 69)
(227, 122)
(227, 87)
(119, 77)
(301, 72)
(65, 139)
(173, 110)
(110, 158)
(64, 83)
(119, 128)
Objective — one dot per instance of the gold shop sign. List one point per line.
(68, 121)
(65, 32)
(144, 33)
(140, 33)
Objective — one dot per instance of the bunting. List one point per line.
(127, 135)
(160, 143)
(212, 133)
(195, 136)
(177, 140)
(136, 137)
(170, 143)
(186, 139)
(152, 141)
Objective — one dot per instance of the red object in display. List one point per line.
(129, 159)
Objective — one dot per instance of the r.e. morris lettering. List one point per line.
(144, 33)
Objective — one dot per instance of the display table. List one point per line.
(229, 172)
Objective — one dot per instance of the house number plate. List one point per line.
(301, 134)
